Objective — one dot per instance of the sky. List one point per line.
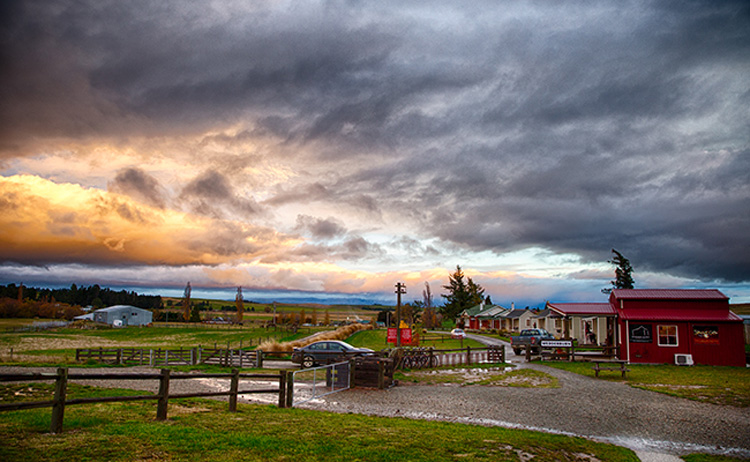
(330, 149)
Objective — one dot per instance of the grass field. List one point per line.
(711, 384)
(57, 346)
(204, 430)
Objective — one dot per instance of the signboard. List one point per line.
(406, 336)
(641, 333)
(556, 343)
(706, 335)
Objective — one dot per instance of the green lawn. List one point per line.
(200, 430)
(711, 384)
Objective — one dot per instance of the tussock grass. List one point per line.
(342, 333)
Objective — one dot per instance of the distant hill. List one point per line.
(740, 308)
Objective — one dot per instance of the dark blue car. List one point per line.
(326, 352)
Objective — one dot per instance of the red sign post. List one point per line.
(406, 337)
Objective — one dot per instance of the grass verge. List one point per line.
(203, 430)
(728, 386)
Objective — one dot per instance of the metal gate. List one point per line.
(316, 382)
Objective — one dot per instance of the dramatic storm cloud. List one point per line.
(340, 146)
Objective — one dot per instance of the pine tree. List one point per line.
(623, 273)
(461, 294)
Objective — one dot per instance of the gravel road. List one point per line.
(644, 421)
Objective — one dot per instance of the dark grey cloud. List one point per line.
(137, 183)
(318, 228)
(576, 127)
(212, 194)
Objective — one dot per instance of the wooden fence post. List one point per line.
(119, 356)
(352, 372)
(289, 388)
(282, 389)
(161, 409)
(78, 352)
(528, 353)
(233, 388)
(58, 403)
(259, 358)
(468, 355)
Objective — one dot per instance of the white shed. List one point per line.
(123, 316)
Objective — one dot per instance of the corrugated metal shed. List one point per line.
(123, 315)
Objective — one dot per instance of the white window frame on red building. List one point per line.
(667, 335)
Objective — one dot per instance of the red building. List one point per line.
(664, 326)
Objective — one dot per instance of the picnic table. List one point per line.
(610, 365)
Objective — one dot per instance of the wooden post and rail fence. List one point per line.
(173, 357)
(419, 358)
(60, 399)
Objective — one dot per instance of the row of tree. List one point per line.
(94, 295)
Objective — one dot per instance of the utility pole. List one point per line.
(400, 289)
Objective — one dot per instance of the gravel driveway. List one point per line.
(644, 421)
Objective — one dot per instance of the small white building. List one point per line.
(123, 316)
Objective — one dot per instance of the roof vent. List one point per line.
(683, 360)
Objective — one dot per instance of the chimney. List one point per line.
(512, 305)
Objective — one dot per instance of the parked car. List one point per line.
(458, 334)
(531, 337)
(326, 352)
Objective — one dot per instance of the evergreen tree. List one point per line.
(476, 293)
(461, 294)
(623, 273)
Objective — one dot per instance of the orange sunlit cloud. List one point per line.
(45, 222)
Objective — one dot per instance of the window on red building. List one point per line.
(668, 336)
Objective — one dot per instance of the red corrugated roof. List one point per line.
(666, 314)
(583, 309)
(671, 294)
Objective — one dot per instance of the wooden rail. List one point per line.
(431, 357)
(172, 357)
(62, 377)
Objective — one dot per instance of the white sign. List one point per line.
(557, 343)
